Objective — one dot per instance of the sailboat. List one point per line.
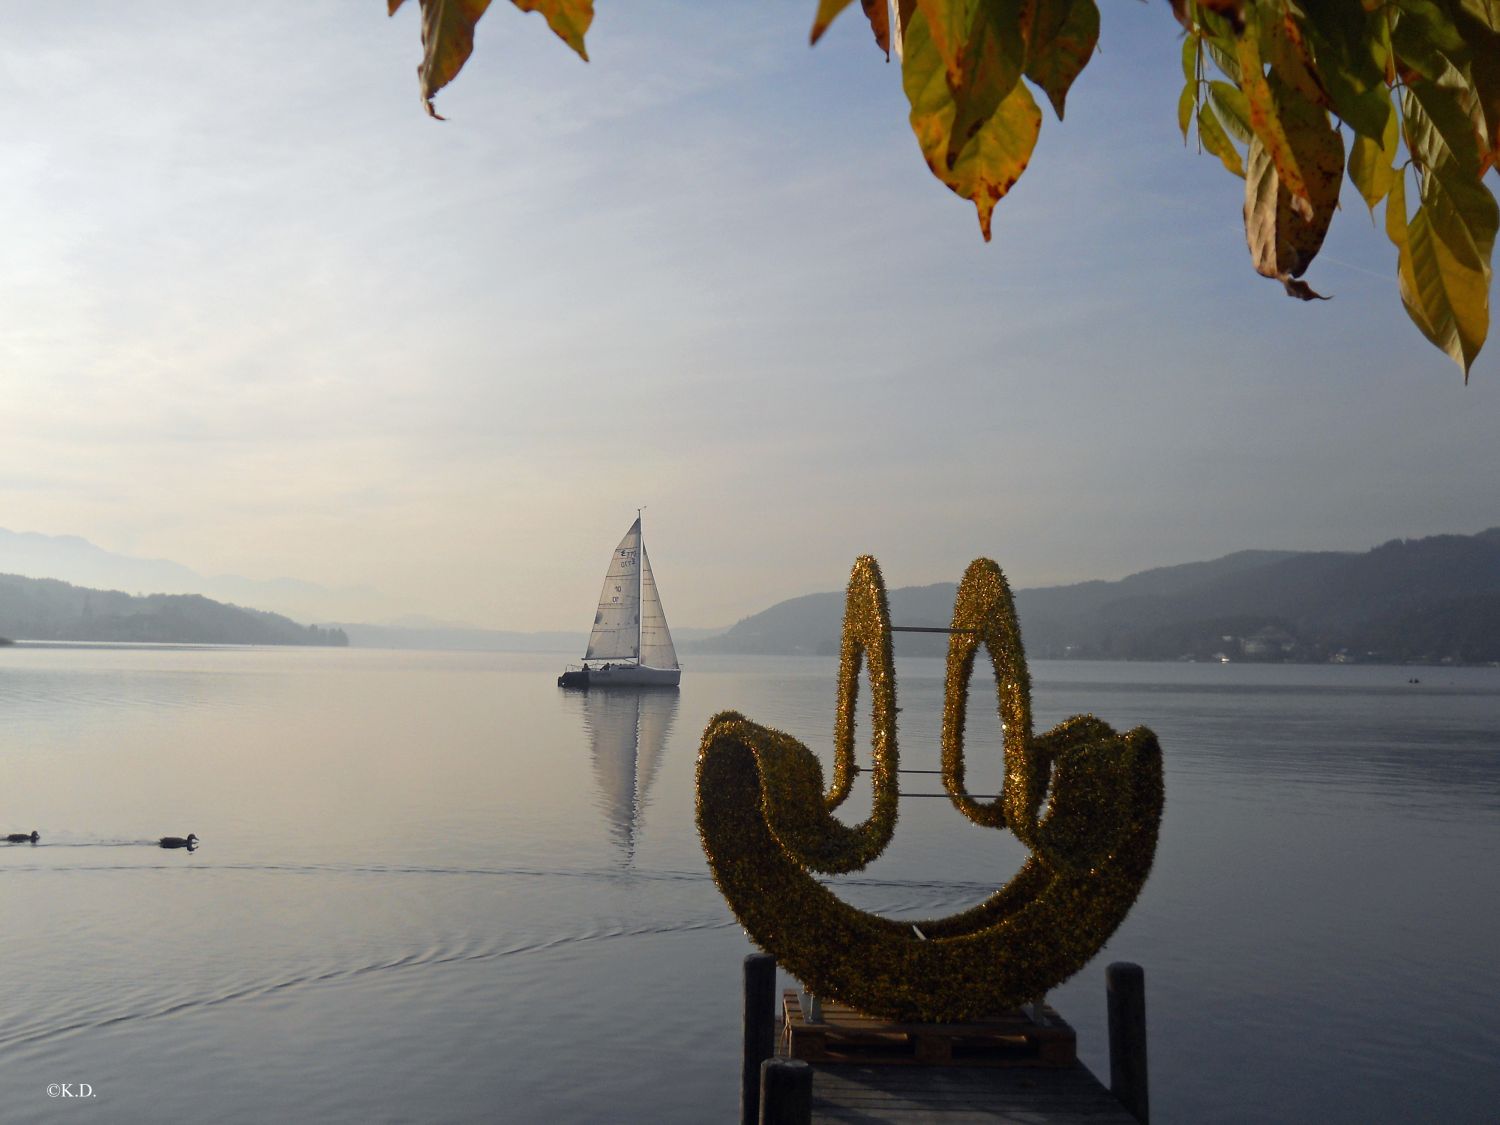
(631, 645)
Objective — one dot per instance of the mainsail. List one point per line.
(656, 639)
(617, 624)
(630, 623)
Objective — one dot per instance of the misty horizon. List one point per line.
(75, 560)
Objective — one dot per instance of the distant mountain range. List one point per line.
(44, 609)
(71, 559)
(1415, 600)
(1418, 600)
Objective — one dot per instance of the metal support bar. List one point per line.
(971, 796)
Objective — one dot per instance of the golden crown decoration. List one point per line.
(1084, 799)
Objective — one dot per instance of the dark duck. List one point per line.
(23, 838)
(189, 841)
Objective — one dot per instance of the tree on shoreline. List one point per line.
(1402, 96)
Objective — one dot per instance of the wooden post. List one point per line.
(760, 1031)
(785, 1092)
(1125, 987)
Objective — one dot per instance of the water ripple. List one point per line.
(37, 1032)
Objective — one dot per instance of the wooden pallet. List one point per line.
(847, 1036)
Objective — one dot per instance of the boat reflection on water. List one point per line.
(628, 732)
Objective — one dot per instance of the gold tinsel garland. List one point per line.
(766, 823)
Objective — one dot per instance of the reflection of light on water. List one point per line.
(628, 733)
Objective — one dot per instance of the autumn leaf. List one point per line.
(1269, 100)
(1213, 138)
(1282, 240)
(1445, 248)
(447, 42)
(878, 12)
(1486, 71)
(1232, 10)
(988, 165)
(1064, 34)
(946, 26)
(1439, 298)
(1285, 233)
(1187, 103)
(1291, 60)
(568, 19)
(828, 11)
(990, 64)
(1371, 164)
(448, 34)
(1233, 110)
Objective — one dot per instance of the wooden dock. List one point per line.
(852, 1068)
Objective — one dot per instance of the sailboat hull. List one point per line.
(634, 675)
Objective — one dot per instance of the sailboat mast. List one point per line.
(641, 557)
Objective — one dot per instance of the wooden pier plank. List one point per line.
(962, 1095)
(843, 1035)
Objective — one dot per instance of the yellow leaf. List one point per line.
(568, 19)
(988, 165)
(1216, 141)
(1187, 101)
(1445, 293)
(1371, 163)
(1463, 287)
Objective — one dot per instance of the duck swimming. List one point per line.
(22, 838)
(190, 842)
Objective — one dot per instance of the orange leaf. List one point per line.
(568, 19)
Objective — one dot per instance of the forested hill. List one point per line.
(43, 609)
(1417, 600)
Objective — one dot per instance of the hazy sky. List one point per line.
(260, 315)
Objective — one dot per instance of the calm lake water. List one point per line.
(433, 887)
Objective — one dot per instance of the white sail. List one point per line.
(656, 639)
(617, 623)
